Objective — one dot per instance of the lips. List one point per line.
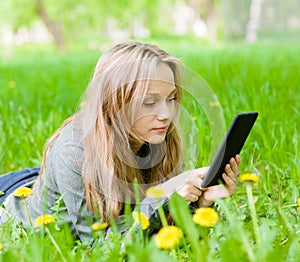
(161, 129)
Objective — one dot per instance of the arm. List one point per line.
(230, 177)
(64, 171)
(188, 184)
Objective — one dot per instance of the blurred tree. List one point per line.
(19, 13)
(53, 27)
(207, 9)
(253, 21)
(91, 20)
(277, 18)
(234, 17)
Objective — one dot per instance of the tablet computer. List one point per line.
(231, 145)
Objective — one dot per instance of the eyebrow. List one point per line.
(155, 94)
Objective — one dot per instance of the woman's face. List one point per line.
(158, 108)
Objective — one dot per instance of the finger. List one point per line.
(190, 193)
(201, 171)
(230, 173)
(196, 179)
(234, 166)
(238, 160)
(192, 198)
(230, 184)
(195, 191)
(199, 176)
(228, 180)
(189, 189)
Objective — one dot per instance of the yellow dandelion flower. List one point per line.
(99, 226)
(168, 237)
(82, 104)
(156, 192)
(299, 202)
(1, 246)
(44, 220)
(141, 219)
(248, 177)
(206, 217)
(22, 192)
(214, 103)
(12, 84)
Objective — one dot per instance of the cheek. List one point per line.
(142, 122)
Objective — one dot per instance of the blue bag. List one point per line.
(11, 181)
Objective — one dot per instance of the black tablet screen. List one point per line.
(231, 145)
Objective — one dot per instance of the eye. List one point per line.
(148, 104)
(171, 99)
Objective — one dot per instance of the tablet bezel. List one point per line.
(231, 145)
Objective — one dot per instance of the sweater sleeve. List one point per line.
(64, 171)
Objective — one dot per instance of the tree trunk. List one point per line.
(52, 26)
(210, 21)
(253, 22)
(207, 10)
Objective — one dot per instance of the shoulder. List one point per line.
(67, 149)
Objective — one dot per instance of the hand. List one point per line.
(230, 177)
(190, 188)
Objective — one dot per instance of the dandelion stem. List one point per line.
(237, 227)
(173, 254)
(252, 211)
(162, 216)
(27, 212)
(137, 195)
(55, 244)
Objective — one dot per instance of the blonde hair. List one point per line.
(110, 165)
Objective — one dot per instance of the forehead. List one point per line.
(163, 82)
(164, 73)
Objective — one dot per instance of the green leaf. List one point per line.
(183, 218)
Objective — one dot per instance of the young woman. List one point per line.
(126, 131)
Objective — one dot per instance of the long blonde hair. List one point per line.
(110, 166)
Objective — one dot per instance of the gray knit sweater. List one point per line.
(62, 179)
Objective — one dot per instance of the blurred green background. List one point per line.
(247, 51)
(93, 23)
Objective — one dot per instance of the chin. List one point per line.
(156, 140)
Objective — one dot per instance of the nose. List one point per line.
(165, 111)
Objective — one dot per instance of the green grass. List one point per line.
(40, 89)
